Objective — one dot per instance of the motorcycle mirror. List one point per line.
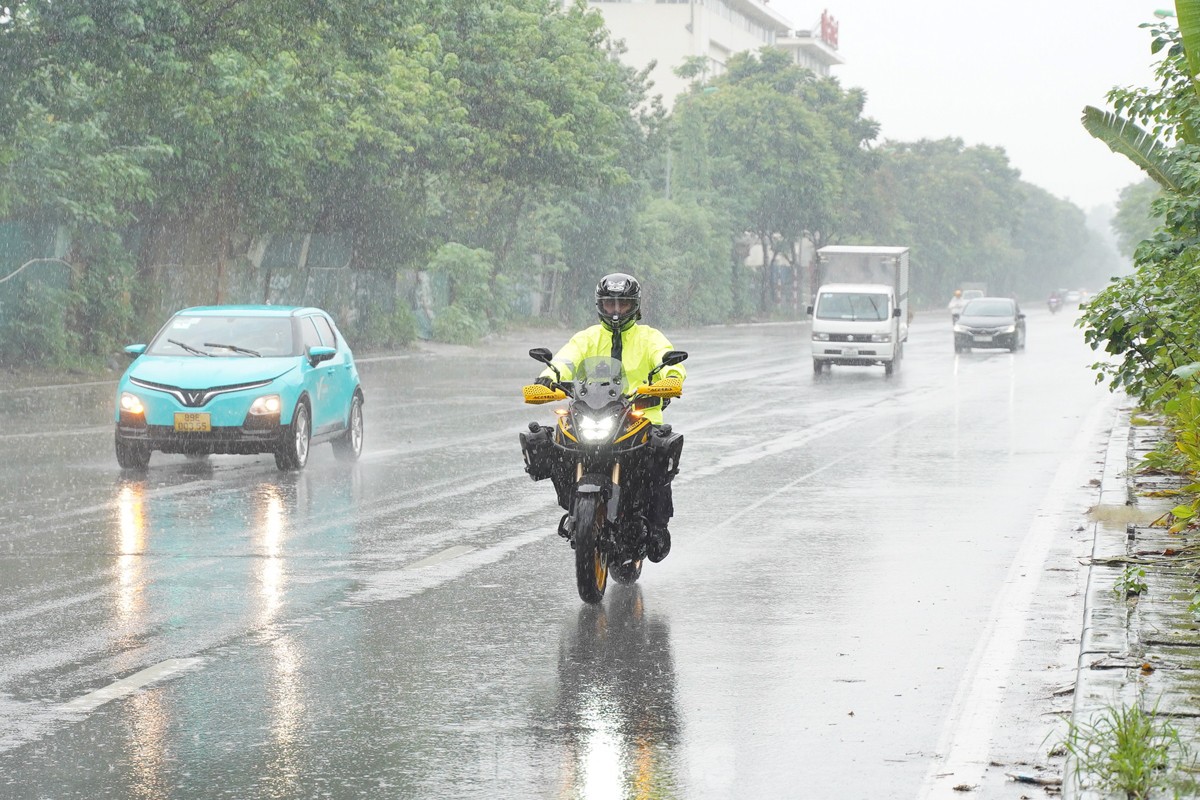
(541, 354)
(672, 357)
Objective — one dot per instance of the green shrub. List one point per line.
(382, 328)
(35, 332)
(456, 325)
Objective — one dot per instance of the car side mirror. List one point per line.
(1021, 315)
(318, 354)
(809, 311)
(895, 312)
(541, 354)
(134, 350)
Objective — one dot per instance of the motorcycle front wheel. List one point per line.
(591, 570)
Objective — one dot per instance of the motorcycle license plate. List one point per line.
(983, 338)
(193, 423)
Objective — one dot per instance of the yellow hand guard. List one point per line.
(667, 387)
(536, 393)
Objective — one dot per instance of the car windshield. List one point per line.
(852, 306)
(224, 337)
(988, 307)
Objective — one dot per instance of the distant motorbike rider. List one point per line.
(956, 302)
(639, 348)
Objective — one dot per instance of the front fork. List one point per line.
(609, 493)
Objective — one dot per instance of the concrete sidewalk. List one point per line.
(1142, 650)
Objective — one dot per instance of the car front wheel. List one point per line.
(293, 448)
(132, 455)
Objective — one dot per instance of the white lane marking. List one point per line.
(438, 569)
(56, 387)
(437, 558)
(962, 753)
(127, 686)
(94, 429)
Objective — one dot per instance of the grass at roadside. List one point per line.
(1131, 753)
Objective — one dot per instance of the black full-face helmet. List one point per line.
(618, 300)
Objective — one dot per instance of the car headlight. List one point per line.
(267, 404)
(820, 337)
(881, 337)
(593, 430)
(1009, 329)
(961, 329)
(132, 404)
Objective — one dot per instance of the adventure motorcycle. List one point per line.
(603, 456)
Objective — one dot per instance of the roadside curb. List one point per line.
(1104, 641)
(1133, 652)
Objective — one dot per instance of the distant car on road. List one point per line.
(992, 322)
(1073, 297)
(240, 379)
(971, 294)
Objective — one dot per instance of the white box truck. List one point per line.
(860, 309)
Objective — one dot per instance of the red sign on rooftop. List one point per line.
(829, 29)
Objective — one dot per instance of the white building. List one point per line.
(670, 32)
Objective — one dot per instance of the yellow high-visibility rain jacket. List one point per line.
(642, 349)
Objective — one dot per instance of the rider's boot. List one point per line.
(658, 542)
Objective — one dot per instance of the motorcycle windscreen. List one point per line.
(600, 380)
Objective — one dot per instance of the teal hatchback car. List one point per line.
(241, 379)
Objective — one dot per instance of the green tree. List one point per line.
(957, 207)
(770, 146)
(1148, 321)
(1135, 221)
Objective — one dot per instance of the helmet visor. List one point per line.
(616, 306)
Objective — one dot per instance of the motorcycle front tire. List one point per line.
(591, 570)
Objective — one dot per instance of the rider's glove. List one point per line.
(543, 380)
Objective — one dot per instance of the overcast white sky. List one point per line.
(1015, 75)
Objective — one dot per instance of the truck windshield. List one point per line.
(847, 306)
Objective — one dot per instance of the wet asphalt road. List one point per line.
(408, 627)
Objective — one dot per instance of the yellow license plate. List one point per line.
(192, 423)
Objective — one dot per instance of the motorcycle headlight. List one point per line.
(594, 429)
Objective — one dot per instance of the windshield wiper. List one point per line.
(234, 348)
(193, 350)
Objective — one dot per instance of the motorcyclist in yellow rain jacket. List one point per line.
(640, 348)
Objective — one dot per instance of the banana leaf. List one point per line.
(1125, 137)
(1188, 14)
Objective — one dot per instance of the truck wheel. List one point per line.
(817, 367)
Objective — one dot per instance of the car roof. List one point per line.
(855, 288)
(249, 311)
